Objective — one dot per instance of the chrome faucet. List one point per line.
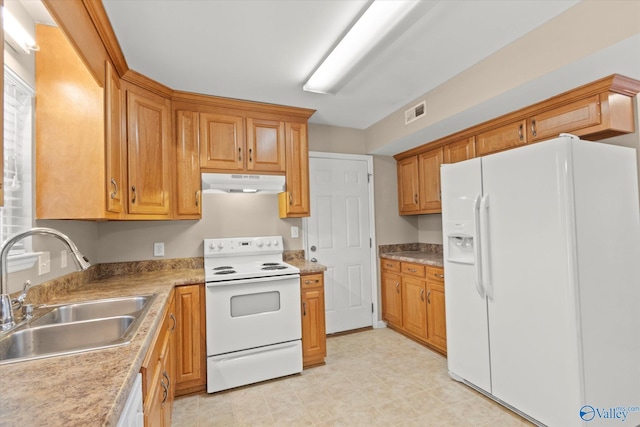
(6, 309)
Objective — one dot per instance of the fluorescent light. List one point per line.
(369, 30)
(17, 34)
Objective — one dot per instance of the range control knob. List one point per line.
(268, 242)
(220, 245)
(276, 243)
(211, 247)
(259, 243)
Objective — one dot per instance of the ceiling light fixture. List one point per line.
(18, 37)
(374, 24)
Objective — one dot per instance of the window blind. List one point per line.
(16, 214)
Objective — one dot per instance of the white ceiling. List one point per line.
(264, 50)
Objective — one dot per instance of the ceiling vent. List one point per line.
(415, 112)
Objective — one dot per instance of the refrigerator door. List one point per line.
(466, 304)
(531, 263)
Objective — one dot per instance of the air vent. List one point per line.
(415, 112)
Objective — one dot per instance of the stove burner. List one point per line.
(274, 267)
(224, 267)
(225, 271)
(266, 264)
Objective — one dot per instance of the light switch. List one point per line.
(44, 263)
(158, 249)
(294, 232)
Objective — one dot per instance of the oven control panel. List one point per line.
(243, 246)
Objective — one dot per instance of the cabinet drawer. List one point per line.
(411, 269)
(311, 280)
(390, 265)
(435, 274)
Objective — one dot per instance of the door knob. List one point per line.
(313, 248)
(314, 260)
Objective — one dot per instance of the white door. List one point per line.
(339, 237)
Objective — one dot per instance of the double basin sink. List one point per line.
(75, 327)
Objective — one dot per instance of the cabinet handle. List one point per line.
(520, 135)
(250, 154)
(415, 199)
(533, 127)
(165, 392)
(389, 265)
(115, 188)
(239, 154)
(307, 282)
(411, 270)
(197, 197)
(290, 200)
(175, 322)
(164, 374)
(439, 276)
(429, 297)
(304, 308)
(397, 287)
(422, 295)
(135, 194)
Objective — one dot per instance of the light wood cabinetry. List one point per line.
(188, 188)
(501, 138)
(419, 182)
(266, 145)
(294, 201)
(115, 146)
(314, 337)
(158, 372)
(598, 110)
(149, 152)
(413, 301)
(191, 352)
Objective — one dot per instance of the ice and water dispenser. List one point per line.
(460, 243)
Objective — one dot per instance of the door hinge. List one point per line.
(369, 176)
(372, 307)
(370, 243)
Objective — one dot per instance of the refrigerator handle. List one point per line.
(484, 243)
(476, 246)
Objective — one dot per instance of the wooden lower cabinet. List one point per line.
(191, 350)
(314, 336)
(413, 302)
(158, 372)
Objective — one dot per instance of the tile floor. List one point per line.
(371, 378)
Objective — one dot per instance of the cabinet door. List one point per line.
(502, 138)
(414, 306)
(297, 175)
(222, 142)
(408, 191)
(314, 337)
(436, 318)
(576, 115)
(149, 158)
(188, 178)
(459, 151)
(265, 145)
(114, 140)
(429, 186)
(392, 298)
(191, 360)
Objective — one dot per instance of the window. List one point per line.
(16, 214)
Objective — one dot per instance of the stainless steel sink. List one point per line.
(74, 328)
(93, 310)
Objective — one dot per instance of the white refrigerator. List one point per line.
(542, 280)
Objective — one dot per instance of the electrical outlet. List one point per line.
(44, 263)
(158, 249)
(63, 258)
(295, 232)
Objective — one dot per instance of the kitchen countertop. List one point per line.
(88, 388)
(91, 388)
(419, 257)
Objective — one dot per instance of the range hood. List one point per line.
(241, 183)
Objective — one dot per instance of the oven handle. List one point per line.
(252, 280)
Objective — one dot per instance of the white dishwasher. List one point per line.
(132, 415)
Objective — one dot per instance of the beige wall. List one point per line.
(333, 139)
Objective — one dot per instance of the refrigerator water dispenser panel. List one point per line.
(461, 249)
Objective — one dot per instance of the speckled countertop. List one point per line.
(91, 388)
(420, 253)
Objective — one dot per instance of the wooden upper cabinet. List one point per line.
(149, 152)
(294, 202)
(408, 185)
(567, 118)
(222, 142)
(459, 151)
(429, 188)
(501, 138)
(188, 177)
(115, 147)
(265, 145)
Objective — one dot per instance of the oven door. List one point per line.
(250, 313)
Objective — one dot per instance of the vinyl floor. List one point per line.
(371, 378)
